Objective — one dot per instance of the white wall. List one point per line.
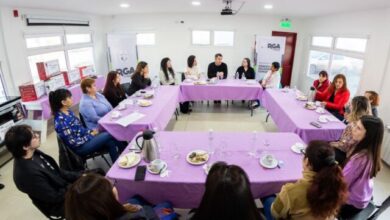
(8, 80)
(14, 30)
(372, 23)
(173, 39)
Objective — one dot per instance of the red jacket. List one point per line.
(323, 87)
(340, 99)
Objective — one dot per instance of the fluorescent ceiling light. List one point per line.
(124, 5)
(269, 7)
(195, 3)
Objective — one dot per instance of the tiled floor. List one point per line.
(16, 205)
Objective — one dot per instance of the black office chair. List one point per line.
(69, 160)
(82, 120)
(371, 212)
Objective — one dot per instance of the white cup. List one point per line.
(318, 103)
(268, 159)
(121, 106)
(156, 165)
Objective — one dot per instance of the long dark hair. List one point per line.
(332, 86)
(166, 69)
(91, 197)
(248, 61)
(190, 61)
(56, 97)
(140, 66)
(372, 142)
(328, 190)
(110, 87)
(227, 196)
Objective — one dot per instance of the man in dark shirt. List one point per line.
(36, 173)
(217, 68)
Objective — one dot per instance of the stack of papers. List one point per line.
(133, 117)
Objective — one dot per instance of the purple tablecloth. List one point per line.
(228, 89)
(157, 115)
(185, 184)
(290, 115)
(76, 96)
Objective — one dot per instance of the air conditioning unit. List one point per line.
(35, 20)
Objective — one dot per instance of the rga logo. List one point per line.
(274, 46)
(125, 71)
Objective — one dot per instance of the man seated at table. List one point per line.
(36, 173)
(217, 69)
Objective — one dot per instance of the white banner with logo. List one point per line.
(268, 50)
(122, 48)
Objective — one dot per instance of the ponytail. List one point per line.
(327, 192)
(56, 98)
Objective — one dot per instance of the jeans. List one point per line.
(267, 203)
(103, 141)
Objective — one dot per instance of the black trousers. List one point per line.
(348, 211)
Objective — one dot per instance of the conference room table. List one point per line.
(226, 89)
(39, 111)
(157, 115)
(184, 185)
(289, 115)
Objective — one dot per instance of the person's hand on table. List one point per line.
(95, 132)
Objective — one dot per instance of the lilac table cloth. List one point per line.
(185, 184)
(76, 96)
(227, 89)
(157, 115)
(290, 115)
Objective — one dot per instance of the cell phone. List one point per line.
(140, 173)
(315, 124)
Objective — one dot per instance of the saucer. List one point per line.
(272, 165)
(323, 119)
(144, 103)
(157, 172)
(298, 147)
(115, 114)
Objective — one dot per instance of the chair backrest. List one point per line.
(82, 120)
(68, 160)
(381, 209)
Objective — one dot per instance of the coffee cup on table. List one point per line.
(269, 159)
(156, 165)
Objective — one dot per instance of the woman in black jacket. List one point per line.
(245, 69)
(113, 90)
(37, 174)
(140, 78)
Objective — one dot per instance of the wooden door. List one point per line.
(288, 57)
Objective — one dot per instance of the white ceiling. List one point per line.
(295, 8)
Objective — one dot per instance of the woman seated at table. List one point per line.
(167, 75)
(363, 164)
(335, 97)
(140, 78)
(245, 70)
(374, 101)
(93, 105)
(322, 83)
(359, 107)
(272, 78)
(94, 197)
(113, 90)
(227, 196)
(192, 69)
(318, 195)
(81, 140)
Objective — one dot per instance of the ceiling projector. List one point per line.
(228, 8)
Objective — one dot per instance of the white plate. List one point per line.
(165, 167)
(302, 98)
(144, 103)
(200, 83)
(320, 110)
(134, 162)
(198, 152)
(274, 163)
(121, 107)
(115, 114)
(298, 147)
(323, 119)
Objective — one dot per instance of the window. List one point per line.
(32, 60)
(224, 38)
(78, 38)
(74, 51)
(2, 90)
(36, 42)
(351, 44)
(338, 55)
(201, 37)
(322, 41)
(146, 39)
(80, 57)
